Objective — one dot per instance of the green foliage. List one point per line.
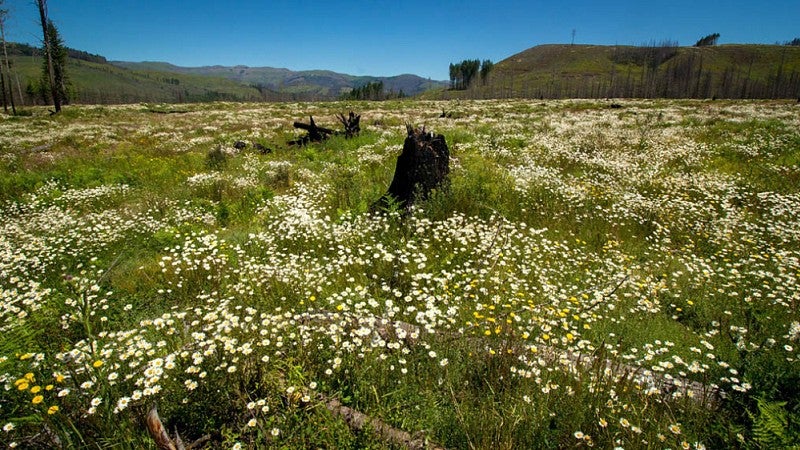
(372, 91)
(771, 426)
(707, 41)
(462, 74)
(58, 55)
(486, 68)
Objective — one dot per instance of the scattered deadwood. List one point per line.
(359, 421)
(241, 145)
(708, 396)
(316, 133)
(351, 123)
(355, 420)
(446, 115)
(423, 166)
(261, 149)
(161, 437)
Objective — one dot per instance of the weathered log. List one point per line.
(41, 148)
(423, 165)
(358, 421)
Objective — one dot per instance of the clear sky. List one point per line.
(377, 37)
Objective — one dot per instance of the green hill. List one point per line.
(595, 71)
(93, 79)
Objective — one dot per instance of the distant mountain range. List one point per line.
(321, 84)
(96, 80)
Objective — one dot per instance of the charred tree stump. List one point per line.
(351, 124)
(423, 165)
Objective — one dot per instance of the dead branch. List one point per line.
(161, 437)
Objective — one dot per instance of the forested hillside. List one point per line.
(661, 70)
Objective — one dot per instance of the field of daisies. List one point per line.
(590, 277)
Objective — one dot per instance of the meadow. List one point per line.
(591, 277)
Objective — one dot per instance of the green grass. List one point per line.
(143, 260)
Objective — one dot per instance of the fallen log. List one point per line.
(358, 421)
(314, 133)
(667, 386)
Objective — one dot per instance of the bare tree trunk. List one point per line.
(3, 88)
(49, 55)
(7, 69)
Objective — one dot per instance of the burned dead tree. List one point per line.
(351, 124)
(423, 165)
(314, 133)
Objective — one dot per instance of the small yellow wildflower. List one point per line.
(97, 364)
(23, 386)
(36, 389)
(52, 410)
(29, 376)
(38, 399)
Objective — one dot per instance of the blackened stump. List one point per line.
(351, 123)
(423, 165)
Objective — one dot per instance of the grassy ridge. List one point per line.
(93, 82)
(623, 71)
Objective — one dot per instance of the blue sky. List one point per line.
(385, 37)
